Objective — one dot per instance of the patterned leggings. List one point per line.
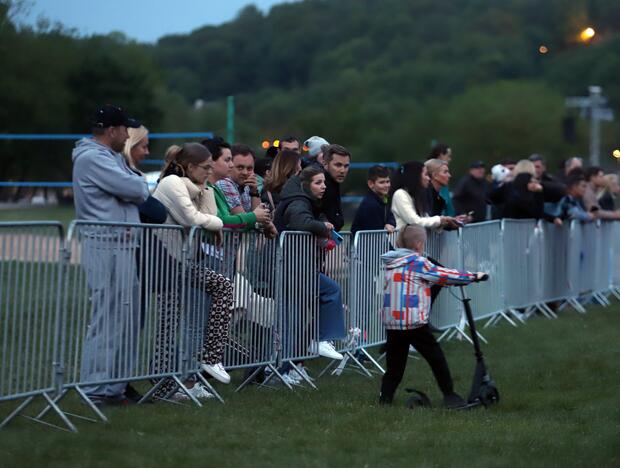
(220, 288)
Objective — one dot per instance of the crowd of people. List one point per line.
(216, 185)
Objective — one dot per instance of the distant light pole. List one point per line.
(593, 107)
(230, 119)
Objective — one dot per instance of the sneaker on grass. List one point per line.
(198, 391)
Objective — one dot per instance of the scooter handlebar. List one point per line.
(481, 277)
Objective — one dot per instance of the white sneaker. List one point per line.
(304, 372)
(197, 391)
(217, 371)
(325, 349)
(291, 378)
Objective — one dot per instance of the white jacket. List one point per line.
(187, 204)
(405, 212)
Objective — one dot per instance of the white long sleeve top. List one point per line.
(405, 212)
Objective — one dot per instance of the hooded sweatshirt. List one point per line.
(406, 289)
(104, 187)
(298, 210)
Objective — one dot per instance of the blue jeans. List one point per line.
(331, 313)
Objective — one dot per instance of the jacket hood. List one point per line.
(293, 190)
(398, 258)
(88, 144)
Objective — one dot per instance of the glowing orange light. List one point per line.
(616, 154)
(305, 148)
(587, 34)
(265, 144)
(276, 143)
(543, 49)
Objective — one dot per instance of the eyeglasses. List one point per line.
(205, 167)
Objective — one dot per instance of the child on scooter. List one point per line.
(406, 306)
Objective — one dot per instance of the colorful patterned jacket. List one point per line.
(406, 290)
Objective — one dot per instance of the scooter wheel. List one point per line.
(489, 395)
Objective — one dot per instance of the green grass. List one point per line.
(559, 382)
(64, 214)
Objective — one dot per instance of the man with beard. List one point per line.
(336, 163)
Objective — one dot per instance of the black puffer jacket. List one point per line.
(299, 211)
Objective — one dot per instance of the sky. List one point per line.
(143, 20)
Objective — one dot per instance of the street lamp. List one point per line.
(587, 34)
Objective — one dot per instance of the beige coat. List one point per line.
(187, 204)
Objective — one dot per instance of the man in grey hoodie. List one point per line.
(106, 189)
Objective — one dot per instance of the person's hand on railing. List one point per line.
(558, 221)
(449, 223)
(270, 231)
(389, 228)
(218, 238)
(329, 226)
(262, 213)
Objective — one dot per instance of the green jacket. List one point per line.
(245, 221)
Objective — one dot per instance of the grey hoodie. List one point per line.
(104, 187)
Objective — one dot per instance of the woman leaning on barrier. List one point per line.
(300, 210)
(182, 190)
(410, 199)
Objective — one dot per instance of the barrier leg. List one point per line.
(16, 411)
(206, 383)
(377, 365)
(58, 411)
(275, 372)
(296, 369)
(545, 309)
(249, 379)
(576, 305)
(349, 356)
(185, 390)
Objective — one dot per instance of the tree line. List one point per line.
(384, 78)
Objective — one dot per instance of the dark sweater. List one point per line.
(331, 203)
(373, 214)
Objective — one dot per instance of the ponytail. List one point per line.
(171, 166)
(177, 158)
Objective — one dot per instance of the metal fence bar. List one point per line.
(30, 274)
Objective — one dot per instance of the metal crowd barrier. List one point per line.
(30, 279)
(124, 302)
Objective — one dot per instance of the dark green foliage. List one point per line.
(384, 78)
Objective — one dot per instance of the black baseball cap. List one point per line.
(477, 165)
(112, 116)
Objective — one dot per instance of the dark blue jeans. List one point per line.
(331, 313)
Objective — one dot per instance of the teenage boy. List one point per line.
(407, 300)
(374, 212)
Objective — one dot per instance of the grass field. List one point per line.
(559, 382)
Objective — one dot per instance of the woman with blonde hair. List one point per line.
(607, 196)
(135, 150)
(189, 202)
(136, 146)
